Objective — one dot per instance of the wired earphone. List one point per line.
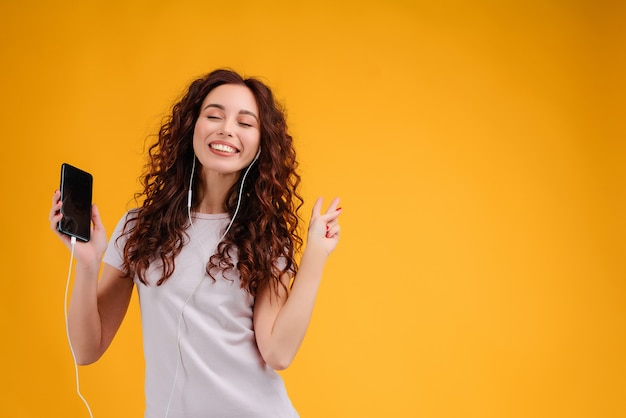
(182, 311)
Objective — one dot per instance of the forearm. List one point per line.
(84, 322)
(295, 315)
(281, 320)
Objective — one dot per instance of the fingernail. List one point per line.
(338, 209)
(327, 227)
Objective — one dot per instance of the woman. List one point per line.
(212, 251)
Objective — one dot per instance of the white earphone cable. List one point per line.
(67, 327)
(182, 311)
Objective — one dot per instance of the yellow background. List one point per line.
(477, 146)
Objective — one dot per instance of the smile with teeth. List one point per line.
(223, 148)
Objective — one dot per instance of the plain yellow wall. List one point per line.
(478, 147)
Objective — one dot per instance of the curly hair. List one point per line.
(265, 233)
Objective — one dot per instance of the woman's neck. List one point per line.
(213, 190)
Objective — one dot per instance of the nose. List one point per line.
(227, 127)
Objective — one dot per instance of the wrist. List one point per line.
(89, 267)
(315, 255)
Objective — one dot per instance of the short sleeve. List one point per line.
(114, 255)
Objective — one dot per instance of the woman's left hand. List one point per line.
(324, 227)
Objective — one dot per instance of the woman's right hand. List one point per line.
(85, 252)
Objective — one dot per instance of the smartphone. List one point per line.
(76, 193)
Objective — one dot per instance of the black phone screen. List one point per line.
(76, 193)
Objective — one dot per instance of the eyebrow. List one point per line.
(241, 112)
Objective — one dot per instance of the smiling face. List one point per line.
(227, 133)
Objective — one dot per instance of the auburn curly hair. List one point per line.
(265, 232)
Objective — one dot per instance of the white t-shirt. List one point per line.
(221, 372)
